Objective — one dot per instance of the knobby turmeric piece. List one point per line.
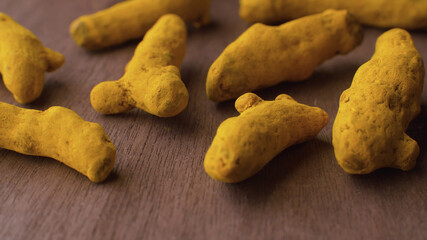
(409, 14)
(369, 130)
(131, 20)
(58, 133)
(152, 80)
(264, 56)
(24, 60)
(243, 145)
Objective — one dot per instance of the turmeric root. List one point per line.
(152, 80)
(131, 19)
(24, 60)
(243, 145)
(264, 55)
(409, 14)
(58, 133)
(369, 130)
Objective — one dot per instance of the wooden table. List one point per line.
(158, 188)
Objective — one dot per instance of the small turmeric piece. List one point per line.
(131, 20)
(243, 145)
(369, 129)
(264, 56)
(24, 60)
(58, 133)
(152, 80)
(409, 14)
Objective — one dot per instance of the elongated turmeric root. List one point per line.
(264, 56)
(243, 145)
(131, 19)
(152, 80)
(409, 14)
(369, 130)
(24, 60)
(61, 134)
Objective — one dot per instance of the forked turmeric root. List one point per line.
(243, 145)
(24, 60)
(131, 20)
(61, 134)
(369, 130)
(152, 80)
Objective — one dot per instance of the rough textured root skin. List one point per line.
(264, 56)
(132, 19)
(409, 14)
(369, 130)
(61, 134)
(152, 80)
(243, 145)
(24, 60)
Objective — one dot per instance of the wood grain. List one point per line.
(159, 190)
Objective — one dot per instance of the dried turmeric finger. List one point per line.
(24, 60)
(58, 133)
(131, 19)
(369, 130)
(152, 80)
(243, 145)
(264, 55)
(410, 14)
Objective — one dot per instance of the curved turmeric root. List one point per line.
(24, 60)
(152, 80)
(131, 20)
(243, 145)
(58, 133)
(369, 130)
(264, 56)
(409, 14)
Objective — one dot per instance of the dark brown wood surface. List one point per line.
(158, 188)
